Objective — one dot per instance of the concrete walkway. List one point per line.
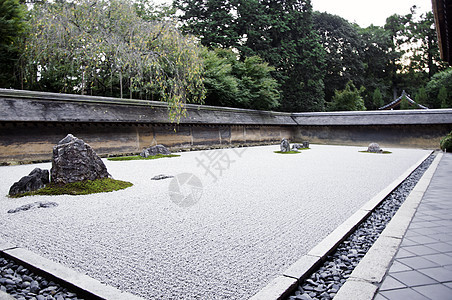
(422, 267)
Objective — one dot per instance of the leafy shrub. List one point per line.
(446, 143)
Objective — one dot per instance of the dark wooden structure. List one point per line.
(442, 10)
(397, 102)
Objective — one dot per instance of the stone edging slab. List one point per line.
(80, 282)
(369, 273)
(282, 286)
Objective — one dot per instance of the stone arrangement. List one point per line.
(34, 205)
(374, 148)
(74, 160)
(161, 176)
(285, 146)
(304, 145)
(34, 181)
(154, 150)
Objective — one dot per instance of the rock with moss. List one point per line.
(374, 148)
(285, 146)
(155, 150)
(446, 143)
(74, 160)
(34, 181)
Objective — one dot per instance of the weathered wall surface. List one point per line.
(31, 123)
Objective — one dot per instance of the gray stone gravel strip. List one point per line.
(82, 282)
(302, 268)
(369, 273)
(5, 296)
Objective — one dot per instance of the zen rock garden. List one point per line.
(73, 161)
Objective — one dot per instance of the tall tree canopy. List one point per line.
(279, 32)
(12, 25)
(344, 52)
(262, 54)
(103, 47)
(231, 82)
(213, 21)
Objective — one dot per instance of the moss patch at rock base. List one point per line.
(138, 157)
(289, 152)
(383, 152)
(80, 188)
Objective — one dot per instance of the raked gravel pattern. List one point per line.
(258, 213)
(329, 278)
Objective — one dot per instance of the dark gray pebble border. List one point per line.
(21, 283)
(325, 282)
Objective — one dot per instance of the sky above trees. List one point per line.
(366, 12)
(363, 12)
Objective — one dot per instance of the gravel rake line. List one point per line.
(326, 281)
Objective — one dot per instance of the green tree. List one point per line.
(149, 11)
(279, 32)
(433, 87)
(378, 57)
(405, 104)
(221, 85)
(282, 34)
(12, 25)
(443, 98)
(231, 82)
(104, 48)
(348, 99)
(425, 55)
(421, 97)
(212, 21)
(256, 87)
(343, 44)
(415, 43)
(377, 99)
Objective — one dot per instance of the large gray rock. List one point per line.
(374, 148)
(73, 160)
(285, 146)
(154, 150)
(34, 181)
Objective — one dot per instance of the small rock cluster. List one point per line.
(154, 150)
(34, 181)
(23, 284)
(285, 146)
(328, 279)
(34, 205)
(305, 145)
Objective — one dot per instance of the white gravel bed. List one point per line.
(262, 213)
